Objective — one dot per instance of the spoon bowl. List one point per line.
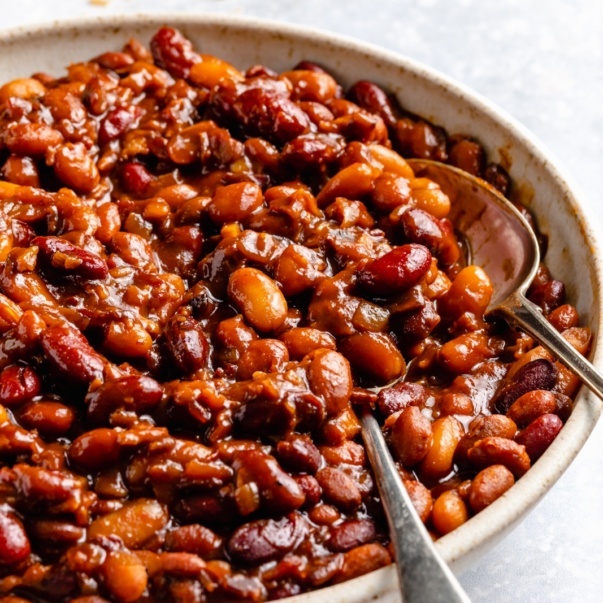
(502, 242)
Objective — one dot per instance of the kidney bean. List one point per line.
(500, 451)
(65, 257)
(539, 374)
(173, 52)
(374, 99)
(449, 512)
(299, 453)
(399, 396)
(265, 417)
(139, 392)
(95, 449)
(311, 489)
(278, 490)
(117, 122)
(329, 377)
(124, 575)
(186, 344)
(421, 139)
(351, 534)
(375, 355)
(548, 296)
(18, 384)
(396, 271)
(274, 117)
(539, 435)
(70, 354)
(488, 485)
(136, 178)
(362, 560)
(258, 298)
(14, 543)
(51, 419)
(339, 488)
(266, 539)
(411, 436)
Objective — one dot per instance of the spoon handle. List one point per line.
(423, 574)
(528, 316)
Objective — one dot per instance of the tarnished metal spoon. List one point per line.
(505, 246)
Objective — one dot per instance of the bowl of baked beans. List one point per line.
(213, 252)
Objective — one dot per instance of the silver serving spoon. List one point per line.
(501, 242)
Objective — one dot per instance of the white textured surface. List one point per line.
(542, 61)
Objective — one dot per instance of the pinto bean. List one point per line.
(258, 298)
(411, 436)
(488, 485)
(330, 377)
(339, 489)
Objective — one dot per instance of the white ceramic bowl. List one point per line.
(545, 188)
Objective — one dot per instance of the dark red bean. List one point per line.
(299, 453)
(264, 418)
(18, 384)
(14, 543)
(538, 374)
(135, 178)
(396, 271)
(66, 258)
(548, 296)
(70, 354)
(266, 539)
(498, 177)
(186, 344)
(413, 326)
(270, 115)
(350, 534)
(137, 392)
(539, 435)
(173, 52)
(117, 122)
(398, 397)
(467, 155)
(311, 488)
(374, 99)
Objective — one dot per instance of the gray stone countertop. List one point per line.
(541, 61)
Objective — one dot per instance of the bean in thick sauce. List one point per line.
(202, 272)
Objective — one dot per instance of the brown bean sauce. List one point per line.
(202, 272)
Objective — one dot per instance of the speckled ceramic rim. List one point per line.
(553, 198)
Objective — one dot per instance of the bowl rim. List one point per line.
(491, 524)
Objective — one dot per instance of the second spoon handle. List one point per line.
(423, 574)
(528, 317)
